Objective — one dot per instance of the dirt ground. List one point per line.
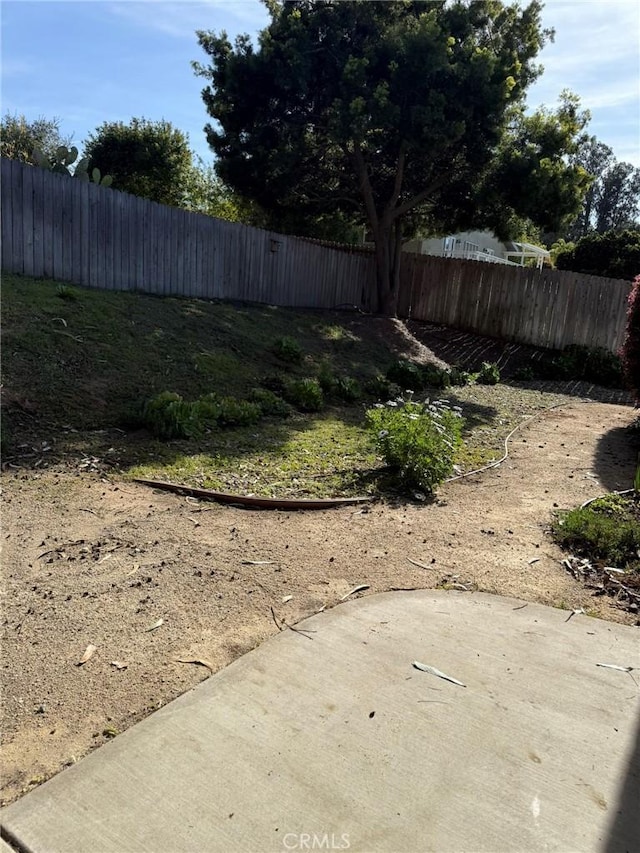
(91, 559)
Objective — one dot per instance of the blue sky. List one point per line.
(92, 61)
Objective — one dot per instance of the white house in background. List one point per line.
(479, 246)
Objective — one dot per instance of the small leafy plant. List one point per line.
(417, 440)
(288, 349)
(347, 389)
(489, 374)
(270, 403)
(305, 394)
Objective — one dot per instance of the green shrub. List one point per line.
(238, 412)
(459, 376)
(630, 352)
(592, 364)
(489, 374)
(270, 403)
(347, 389)
(614, 254)
(275, 383)
(288, 349)
(406, 374)
(305, 394)
(435, 377)
(381, 388)
(417, 441)
(64, 291)
(608, 529)
(327, 378)
(168, 416)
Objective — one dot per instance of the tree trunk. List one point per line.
(388, 242)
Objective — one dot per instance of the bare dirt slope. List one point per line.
(91, 560)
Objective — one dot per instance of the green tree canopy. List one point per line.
(612, 201)
(19, 137)
(615, 254)
(404, 115)
(146, 158)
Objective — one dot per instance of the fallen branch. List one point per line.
(252, 501)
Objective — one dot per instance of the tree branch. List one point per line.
(397, 185)
(365, 185)
(419, 197)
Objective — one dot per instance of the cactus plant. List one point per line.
(64, 158)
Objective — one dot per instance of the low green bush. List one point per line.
(406, 374)
(380, 388)
(591, 364)
(270, 403)
(235, 413)
(327, 378)
(608, 529)
(348, 389)
(168, 416)
(489, 374)
(305, 394)
(417, 441)
(288, 349)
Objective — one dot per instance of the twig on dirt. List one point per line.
(275, 619)
(420, 565)
(59, 548)
(353, 591)
(259, 562)
(68, 335)
(85, 509)
(520, 607)
(303, 631)
(197, 661)
(615, 666)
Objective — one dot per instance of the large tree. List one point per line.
(19, 137)
(146, 158)
(612, 201)
(396, 113)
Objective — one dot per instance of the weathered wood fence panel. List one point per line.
(75, 231)
(548, 308)
(82, 233)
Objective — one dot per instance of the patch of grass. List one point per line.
(607, 530)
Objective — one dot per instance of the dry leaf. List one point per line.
(155, 625)
(88, 654)
(423, 667)
(119, 664)
(197, 661)
(360, 588)
(287, 598)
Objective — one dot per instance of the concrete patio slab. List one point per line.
(333, 740)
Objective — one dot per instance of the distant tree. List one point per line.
(206, 193)
(150, 159)
(618, 199)
(405, 116)
(612, 200)
(19, 137)
(615, 254)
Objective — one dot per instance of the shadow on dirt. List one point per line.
(468, 351)
(616, 458)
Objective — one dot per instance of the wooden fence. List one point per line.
(76, 231)
(70, 230)
(548, 308)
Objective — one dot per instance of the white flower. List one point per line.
(383, 433)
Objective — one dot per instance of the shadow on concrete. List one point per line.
(616, 458)
(624, 830)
